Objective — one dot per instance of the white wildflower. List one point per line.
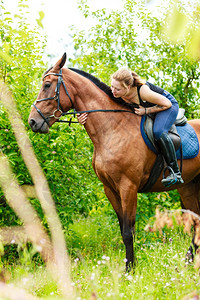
(129, 277)
(92, 276)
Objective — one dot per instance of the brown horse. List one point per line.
(121, 160)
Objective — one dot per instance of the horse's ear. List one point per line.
(60, 63)
(63, 60)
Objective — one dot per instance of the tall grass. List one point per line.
(161, 271)
(98, 266)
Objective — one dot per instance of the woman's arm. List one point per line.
(160, 101)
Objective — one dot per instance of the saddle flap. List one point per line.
(148, 128)
(175, 137)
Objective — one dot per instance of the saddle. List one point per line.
(181, 120)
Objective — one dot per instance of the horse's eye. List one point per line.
(47, 85)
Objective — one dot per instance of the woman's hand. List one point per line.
(140, 111)
(82, 118)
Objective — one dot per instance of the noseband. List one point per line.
(59, 112)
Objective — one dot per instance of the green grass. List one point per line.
(97, 255)
(161, 272)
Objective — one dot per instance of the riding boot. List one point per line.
(167, 149)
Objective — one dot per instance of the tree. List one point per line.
(61, 152)
(21, 67)
(21, 52)
(134, 38)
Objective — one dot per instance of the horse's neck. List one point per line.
(99, 125)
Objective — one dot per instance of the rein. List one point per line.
(60, 110)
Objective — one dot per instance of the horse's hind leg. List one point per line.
(190, 196)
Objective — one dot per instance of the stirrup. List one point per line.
(173, 178)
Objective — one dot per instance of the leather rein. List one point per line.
(59, 112)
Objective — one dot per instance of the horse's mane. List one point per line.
(105, 88)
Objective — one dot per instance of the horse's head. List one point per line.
(47, 108)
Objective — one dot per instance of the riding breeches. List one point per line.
(166, 118)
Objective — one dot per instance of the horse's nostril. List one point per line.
(32, 122)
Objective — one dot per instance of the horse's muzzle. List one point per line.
(38, 125)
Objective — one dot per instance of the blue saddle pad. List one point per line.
(190, 143)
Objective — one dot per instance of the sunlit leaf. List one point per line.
(5, 56)
(177, 25)
(194, 46)
(18, 16)
(41, 17)
(41, 14)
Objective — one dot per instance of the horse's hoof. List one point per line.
(189, 258)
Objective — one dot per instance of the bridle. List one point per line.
(60, 110)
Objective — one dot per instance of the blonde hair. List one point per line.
(127, 78)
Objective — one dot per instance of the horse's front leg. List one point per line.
(129, 206)
(124, 203)
(128, 231)
(191, 251)
(115, 200)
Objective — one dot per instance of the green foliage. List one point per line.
(66, 158)
(86, 236)
(66, 153)
(147, 204)
(21, 67)
(36, 281)
(21, 64)
(161, 272)
(185, 26)
(133, 38)
(98, 264)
